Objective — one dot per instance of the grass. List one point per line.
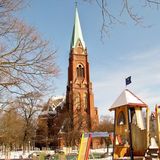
(61, 156)
(95, 155)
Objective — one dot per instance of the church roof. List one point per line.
(77, 32)
(127, 98)
(57, 101)
(52, 104)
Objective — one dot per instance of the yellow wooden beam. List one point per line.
(157, 110)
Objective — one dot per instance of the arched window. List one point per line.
(121, 119)
(80, 71)
(85, 101)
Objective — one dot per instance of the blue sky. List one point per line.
(128, 50)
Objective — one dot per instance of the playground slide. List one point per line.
(85, 143)
(84, 147)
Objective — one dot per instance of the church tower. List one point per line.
(79, 94)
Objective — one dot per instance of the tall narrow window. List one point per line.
(77, 101)
(80, 71)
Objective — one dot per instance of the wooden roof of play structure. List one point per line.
(127, 98)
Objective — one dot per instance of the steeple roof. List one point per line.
(77, 32)
(127, 98)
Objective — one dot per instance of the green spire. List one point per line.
(77, 32)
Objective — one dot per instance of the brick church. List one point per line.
(75, 113)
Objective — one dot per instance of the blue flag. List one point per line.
(128, 80)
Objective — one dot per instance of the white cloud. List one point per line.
(144, 67)
(142, 55)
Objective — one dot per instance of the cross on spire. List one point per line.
(76, 3)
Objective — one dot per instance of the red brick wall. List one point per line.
(81, 86)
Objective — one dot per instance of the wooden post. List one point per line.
(158, 124)
(130, 133)
(114, 135)
(148, 125)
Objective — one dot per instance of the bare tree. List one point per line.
(62, 124)
(48, 126)
(42, 132)
(111, 17)
(72, 132)
(28, 106)
(26, 61)
(106, 125)
(11, 126)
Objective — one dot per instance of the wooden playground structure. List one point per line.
(132, 134)
(132, 138)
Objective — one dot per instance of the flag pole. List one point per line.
(125, 83)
